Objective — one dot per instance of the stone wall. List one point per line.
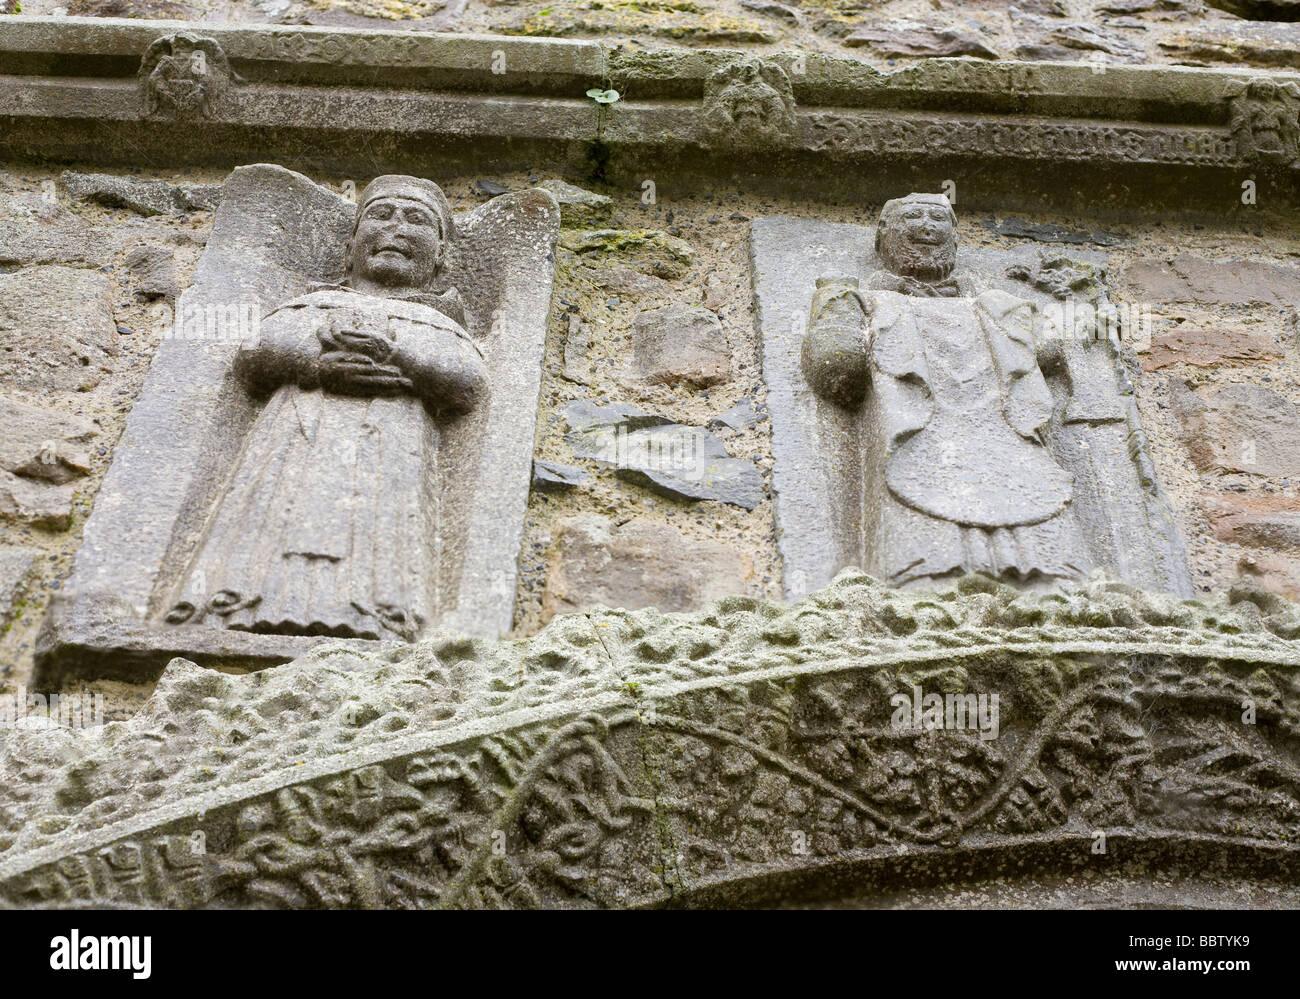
(895, 32)
(651, 312)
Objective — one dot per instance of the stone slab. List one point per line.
(817, 498)
(275, 234)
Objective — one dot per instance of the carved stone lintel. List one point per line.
(749, 102)
(182, 75)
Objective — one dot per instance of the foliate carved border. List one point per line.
(673, 790)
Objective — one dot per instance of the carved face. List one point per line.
(917, 237)
(398, 243)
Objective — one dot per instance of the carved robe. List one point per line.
(328, 524)
(952, 409)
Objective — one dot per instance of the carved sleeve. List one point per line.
(835, 356)
(285, 350)
(447, 369)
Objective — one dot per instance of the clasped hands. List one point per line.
(352, 362)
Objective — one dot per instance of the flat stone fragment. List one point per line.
(891, 42)
(647, 250)
(680, 343)
(1046, 233)
(56, 328)
(638, 564)
(579, 208)
(1250, 43)
(42, 443)
(37, 230)
(1240, 428)
(1260, 521)
(741, 416)
(1090, 37)
(16, 562)
(38, 504)
(1189, 278)
(669, 458)
(1206, 348)
(771, 8)
(154, 271)
(551, 476)
(145, 195)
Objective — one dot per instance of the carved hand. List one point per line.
(377, 348)
(351, 364)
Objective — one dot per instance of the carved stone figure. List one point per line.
(747, 102)
(182, 74)
(326, 526)
(334, 441)
(953, 407)
(1264, 117)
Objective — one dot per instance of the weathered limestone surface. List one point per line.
(747, 753)
(57, 325)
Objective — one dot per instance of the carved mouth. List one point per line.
(379, 251)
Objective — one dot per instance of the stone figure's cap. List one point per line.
(413, 189)
(895, 204)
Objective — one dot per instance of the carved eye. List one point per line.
(416, 217)
(380, 212)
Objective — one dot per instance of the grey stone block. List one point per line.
(57, 328)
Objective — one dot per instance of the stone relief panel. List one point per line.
(336, 438)
(183, 75)
(748, 103)
(937, 413)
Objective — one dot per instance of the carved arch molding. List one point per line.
(747, 755)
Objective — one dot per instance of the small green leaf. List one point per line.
(603, 96)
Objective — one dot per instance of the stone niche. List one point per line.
(202, 455)
(828, 493)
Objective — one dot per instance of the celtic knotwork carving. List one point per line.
(1265, 122)
(750, 742)
(183, 75)
(749, 102)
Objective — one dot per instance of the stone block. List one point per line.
(638, 564)
(56, 328)
(679, 343)
(1189, 278)
(1240, 428)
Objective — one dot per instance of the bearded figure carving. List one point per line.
(951, 410)
(328, 524)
